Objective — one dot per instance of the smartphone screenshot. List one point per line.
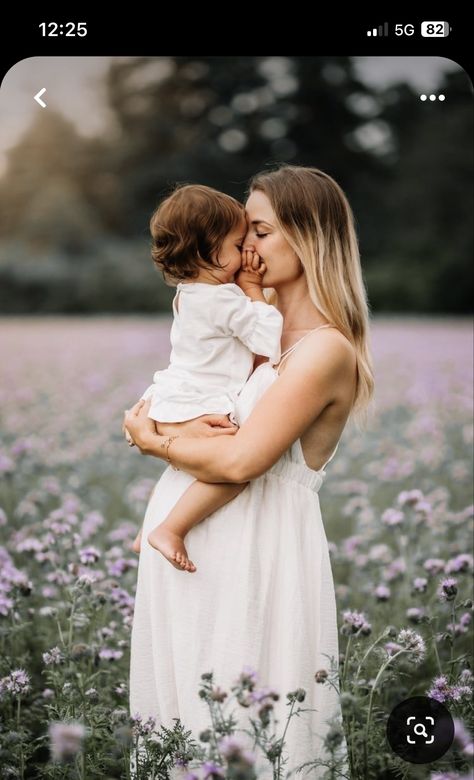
(236, 397)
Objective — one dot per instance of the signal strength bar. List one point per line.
(379, 31)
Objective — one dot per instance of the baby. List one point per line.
(217, 329)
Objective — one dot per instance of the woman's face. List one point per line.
(265, 238)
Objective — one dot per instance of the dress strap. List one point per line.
(288, 351)
(332, 456)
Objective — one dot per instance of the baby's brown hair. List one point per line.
(189, 226)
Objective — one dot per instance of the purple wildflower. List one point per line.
(460, 563)
(355, 623)
(382, 593)
(393, 517)
(17, 682)
(447, 589)
(413, 643)
(65, 740)
(410, 497)
(108, 654)
(53, 657)
(89, 555)
(434, 566)
(419, 585)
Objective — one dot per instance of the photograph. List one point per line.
(236, 418)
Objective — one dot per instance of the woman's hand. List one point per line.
(138, 427)
(205, 425)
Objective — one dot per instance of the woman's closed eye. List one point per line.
(261, 235)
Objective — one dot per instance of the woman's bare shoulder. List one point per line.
(327, 348)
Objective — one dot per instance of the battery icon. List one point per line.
(435, 29)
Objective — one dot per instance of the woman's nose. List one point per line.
(248, 245)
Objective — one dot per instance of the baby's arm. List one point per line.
(250, 276)
(256, 322)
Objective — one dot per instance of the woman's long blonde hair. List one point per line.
(316, 219)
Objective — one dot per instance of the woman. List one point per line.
(263, 596)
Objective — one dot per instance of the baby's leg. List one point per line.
(137, 541)
(198, 501)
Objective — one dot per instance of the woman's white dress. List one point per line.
(262, 597)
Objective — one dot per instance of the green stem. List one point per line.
(71, 616)
(435, 645)
(283, 738)
(369, 711)
(382, 636)
(453, 618)
(61, 636)
(211, 710)
(18, 711)
(346, 662)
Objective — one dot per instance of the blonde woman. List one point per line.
(263, 596)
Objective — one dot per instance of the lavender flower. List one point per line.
(108, 654)
(382, 593)
(89, 555)
(410, 497)
(419, 585)
(434, 565)
(65, 740)
(463, 738)
(53, 657)
(415, 614)
(355, 623)
(17, 683)
(413, 643)
(460, 563)
(447, 589)
(393, 517)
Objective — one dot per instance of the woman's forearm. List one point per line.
(211, 459)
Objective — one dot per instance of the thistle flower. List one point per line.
(17, 683)
(65, 740)
(419, 585)
(89, 555)
(460, 563)
(382, 593)
(447, 589)
(414, 643)
(415, 614)
(463, 738)
(321, 676)
(434, 566)
(53, 657)
(247, 677)
(393, 517)
(355, 623)
(410, 497)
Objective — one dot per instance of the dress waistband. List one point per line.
(297, 472)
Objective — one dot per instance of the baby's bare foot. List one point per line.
(172, 547)
(137, 542)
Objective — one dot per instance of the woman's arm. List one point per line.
(285, 411)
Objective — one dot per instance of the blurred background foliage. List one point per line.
(75, 210)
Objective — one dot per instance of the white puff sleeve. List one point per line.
(258, 325)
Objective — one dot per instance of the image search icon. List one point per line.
(420, 730)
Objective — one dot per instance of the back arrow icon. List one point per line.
(38, 98)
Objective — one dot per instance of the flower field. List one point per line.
(397, 507)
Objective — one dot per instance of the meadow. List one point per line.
(397, 508)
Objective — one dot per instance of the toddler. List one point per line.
(218, 327)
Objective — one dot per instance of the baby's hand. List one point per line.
(251, 271)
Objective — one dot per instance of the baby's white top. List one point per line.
(216, 331)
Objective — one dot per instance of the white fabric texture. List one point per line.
(262, 596)
(215, 333)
